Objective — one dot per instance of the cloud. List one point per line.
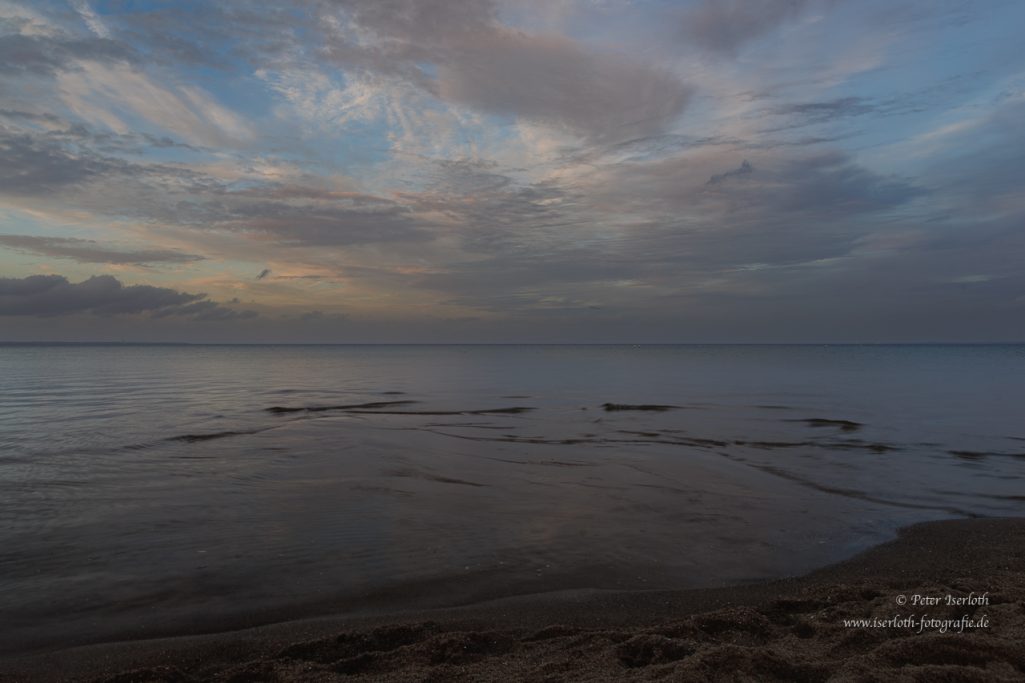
(492, 68)
(46, 168)
(725, 26)
(814, 113)
(745, 168)
(101, 93)
(337, 222)
(832, 182)
(554, 80)
(60, 131)
(35, 165)
(89, 251)
(204, 311)
(40, 117)
(322, 317)
(507, 216)
(801, 114)
(820, 112)
(810, 184)
(47, 55)
(91, 19)
(628, 237)
(434, 20)
(211, 34)
(44, 295)
(103, 295)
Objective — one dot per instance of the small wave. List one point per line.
(860, 495)
(427, 476)
(350, 406)
(545, 463)
(643, 406)
(979, 455)
(192, 438)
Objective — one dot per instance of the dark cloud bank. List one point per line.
(105, 295)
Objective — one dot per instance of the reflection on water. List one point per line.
(149, 490)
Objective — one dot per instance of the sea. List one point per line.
(153, 490)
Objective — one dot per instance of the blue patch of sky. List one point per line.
(935, 78)
(22, 263)
(15, 222)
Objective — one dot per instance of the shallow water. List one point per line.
(147, 490)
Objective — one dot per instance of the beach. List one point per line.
(786, 630)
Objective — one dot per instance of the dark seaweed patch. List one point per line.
(515, 410)
(490, 411)
(847, 445)
(844, 425)
(978, 455)
(874, 447)
(547, 463)
(774, 444)
(694, 441)
(512, 438)
(469, 425)
(643, 406)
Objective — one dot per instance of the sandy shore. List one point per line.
(789, 630)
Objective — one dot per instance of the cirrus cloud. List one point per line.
(90, 251)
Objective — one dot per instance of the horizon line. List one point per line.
(458, 343)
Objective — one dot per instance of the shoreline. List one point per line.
(780, 630)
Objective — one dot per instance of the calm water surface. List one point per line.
(147, 490)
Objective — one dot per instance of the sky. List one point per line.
(638, 171)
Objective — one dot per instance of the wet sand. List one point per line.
(787, 630)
